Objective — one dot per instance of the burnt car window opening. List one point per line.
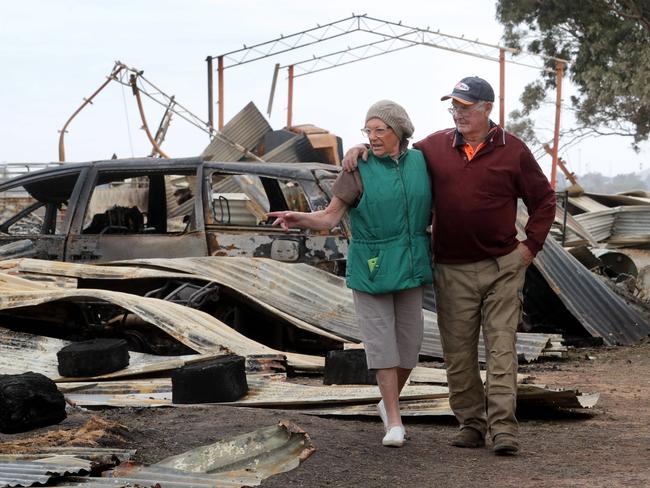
(239, 200)
(36, 208)
(153, 203)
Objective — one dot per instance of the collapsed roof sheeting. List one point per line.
(294, 150)
(196, 329)
(598, 309)
(37, 269)
(306, 296)
(311, 295)
(246, 129)
(599, 224)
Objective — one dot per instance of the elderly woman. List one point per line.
(388, 263)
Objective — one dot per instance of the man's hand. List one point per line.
(350, 159)
(526, 256)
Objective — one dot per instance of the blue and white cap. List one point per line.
(471, 90)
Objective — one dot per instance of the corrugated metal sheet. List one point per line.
(615, 200)
(246, 129)
(599, 224)
(312, 296)
(294, 150)
(129, 476)
(631, 226)
(195, 329)
(575, 233)
(89, 453)
(586, 204)
(422, 374)
(30, 473)
(618, 225)
(408, 408)
(261, 393)
(244, 460)
(249, 458)
(305, 296)
(528, 396)
(35, 267)
(600, 311)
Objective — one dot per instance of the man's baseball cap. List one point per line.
(471, 90)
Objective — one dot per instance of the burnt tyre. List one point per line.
(219, 380)
(93, 358)
(348, 367)
(28, 401)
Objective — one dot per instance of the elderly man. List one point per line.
(479, 171)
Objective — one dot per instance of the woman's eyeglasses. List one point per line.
(380, 132)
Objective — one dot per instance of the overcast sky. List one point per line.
(54, 53)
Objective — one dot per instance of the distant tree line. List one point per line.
(598, 183)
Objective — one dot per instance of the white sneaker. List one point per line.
(394, 437)
(381, 410)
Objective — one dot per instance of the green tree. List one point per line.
(607, 44)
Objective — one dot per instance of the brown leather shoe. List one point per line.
(468, 437)
(505, 444)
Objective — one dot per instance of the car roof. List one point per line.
(271, 169)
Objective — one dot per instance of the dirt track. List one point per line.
(609, 448)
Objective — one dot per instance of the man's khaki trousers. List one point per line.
(487, 293)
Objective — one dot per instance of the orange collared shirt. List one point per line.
(470, 152)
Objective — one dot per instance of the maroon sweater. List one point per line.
(475, 205)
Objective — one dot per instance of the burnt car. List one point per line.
(147, 208)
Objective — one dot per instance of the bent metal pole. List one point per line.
(136, 92)
(113, 76)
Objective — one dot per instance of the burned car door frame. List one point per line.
(253, 235)
(46, 220)
(127, 231)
